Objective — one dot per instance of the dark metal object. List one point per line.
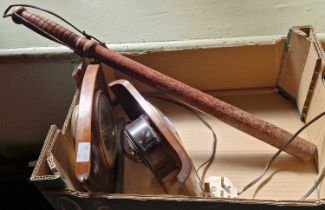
(152, 141)
(142, 135)
(229, 114)
(143, 140)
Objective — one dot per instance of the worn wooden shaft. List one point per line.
(229, 114)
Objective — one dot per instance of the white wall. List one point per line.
(124, 21)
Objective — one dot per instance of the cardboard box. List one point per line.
(279, 81)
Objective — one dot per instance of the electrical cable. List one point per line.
(208, 162)
(285, 145)
(316, 184)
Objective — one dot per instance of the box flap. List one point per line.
(54, 167)
(42, 174)
(302, 62)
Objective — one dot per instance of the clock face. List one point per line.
(107, 129)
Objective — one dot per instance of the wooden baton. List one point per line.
(229, 114)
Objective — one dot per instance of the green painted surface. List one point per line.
(128, 21)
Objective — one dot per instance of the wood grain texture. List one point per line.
(96, 171)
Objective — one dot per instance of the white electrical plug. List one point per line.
(220, 187)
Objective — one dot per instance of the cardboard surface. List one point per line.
(241, 157)
(218, 68)
(316, 132)
(288, 179)
(234, 75)
(294, 59)
(303, 60)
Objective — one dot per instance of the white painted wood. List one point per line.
(130, 21)
(135, 48)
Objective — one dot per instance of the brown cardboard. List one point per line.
(216, 68)
(294, 60)
(303, 61)
(245, 76)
